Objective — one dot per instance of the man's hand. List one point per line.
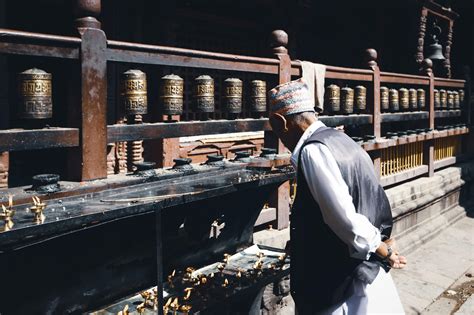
(396, 260)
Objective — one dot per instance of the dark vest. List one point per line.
(321, 268)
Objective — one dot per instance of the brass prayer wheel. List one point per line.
(333, 96)
(457, 101)
(450, 100)
(35, 98)
(233, 95)
(443, 95)
(404, 99)
(384, 103)
(413, 99)
(258, 97)
(172, 89)
(461, 97)
(204, 94)
(393, 100)
(361, 98)
(134, 92)
(347, 100)
(437, 99)
(421, 99)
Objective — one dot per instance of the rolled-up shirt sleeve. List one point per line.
(331, 192)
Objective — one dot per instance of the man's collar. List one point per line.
(306, 134)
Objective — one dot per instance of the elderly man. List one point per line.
(341, 218)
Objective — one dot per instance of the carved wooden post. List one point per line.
(281, 199)
(428, 149)
(371, 59)
(421, 36)
(447, 50)
(93, 122)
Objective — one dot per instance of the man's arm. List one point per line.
(332, 194)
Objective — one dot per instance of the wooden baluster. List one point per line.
(371, 59)
(427, 69)
(93, 60)
(281, 198)
(447, 50)
(421, 35)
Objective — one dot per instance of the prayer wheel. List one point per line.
(461, 97)
(457, 100)
(443, 95)
(258, 97)
(134, 92)
(450, 100)
(404, 99)
(437, 99)
(204, 94)
(421, 99)
(384, 103)
(35, 98)
(172, 90)
(233, 96)
(361, 98)
(413, 99)
(333, 97)
(393, 100)
(347, 100)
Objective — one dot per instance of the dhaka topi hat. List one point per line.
(291, 98)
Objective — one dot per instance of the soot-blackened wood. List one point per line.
(93, 137)
(18, 139)
(88, 268)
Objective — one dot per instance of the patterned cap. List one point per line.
(291, 98)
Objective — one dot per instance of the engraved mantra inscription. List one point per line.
(35, 88)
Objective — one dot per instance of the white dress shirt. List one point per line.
(330, 191)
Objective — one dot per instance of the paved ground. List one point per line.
(439, 278)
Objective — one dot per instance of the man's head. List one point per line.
(292, 111)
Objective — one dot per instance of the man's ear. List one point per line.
(278, 122)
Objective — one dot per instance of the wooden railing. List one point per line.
(92, 51)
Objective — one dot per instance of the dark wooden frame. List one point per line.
(92, 51)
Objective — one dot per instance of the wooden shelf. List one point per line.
(357, 119)
(447, 113)
(404, 116)
(383, 143)
(20, 139)
(117, 133)
(448, 161)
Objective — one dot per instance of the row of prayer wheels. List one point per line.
(444, 100)
(134, 94)
(35, 94)
(346, 100)
(403, 99)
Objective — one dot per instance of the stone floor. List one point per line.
(439, 277)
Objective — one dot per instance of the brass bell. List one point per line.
(435, 50)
